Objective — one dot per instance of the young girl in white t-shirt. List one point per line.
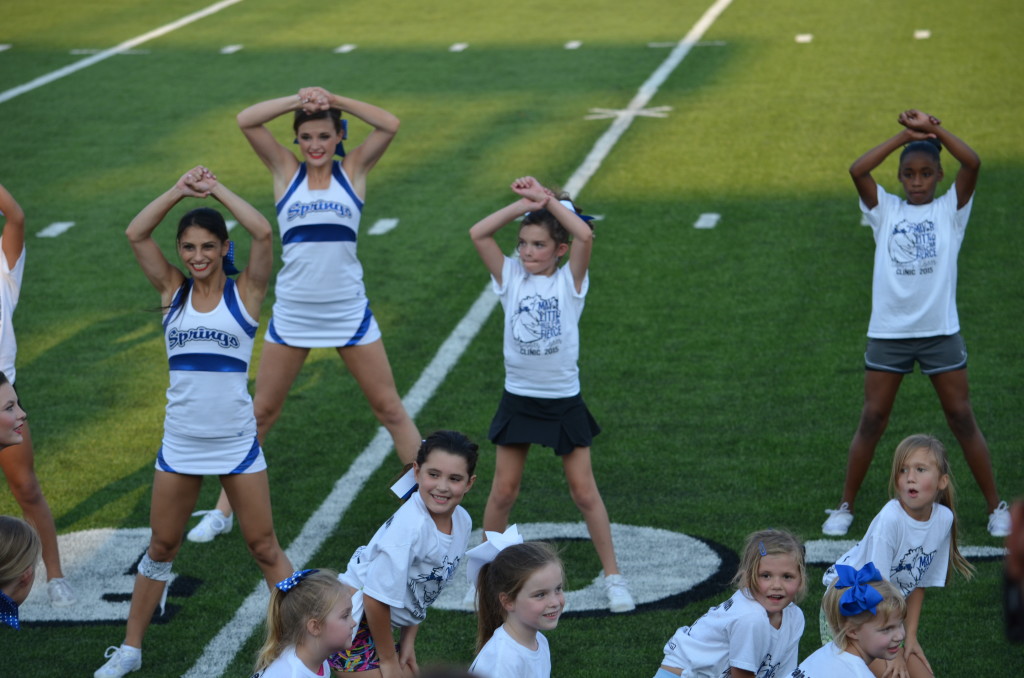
(913, 302)
(757, 631)
(309, 618)
(410, 559)
(541, 402)
(519, 594)
(913, 539)
(864, 613)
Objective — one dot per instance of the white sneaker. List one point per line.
(120, 660)
(213, 523)
(619, 597)
(60, 593)
(999, 521)
(838, 521)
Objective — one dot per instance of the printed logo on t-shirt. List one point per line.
(912, 248)
(908, 570)
(428, 586)
(537, 321)
(298, 210)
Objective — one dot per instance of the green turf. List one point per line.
(724, 365)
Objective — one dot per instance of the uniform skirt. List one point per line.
(210, 456)
(322, 325)
(562, 424)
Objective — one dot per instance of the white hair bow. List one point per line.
(479, 556)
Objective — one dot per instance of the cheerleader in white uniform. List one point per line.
(209, 325)
(320, 300)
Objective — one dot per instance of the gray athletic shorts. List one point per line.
(934, 354)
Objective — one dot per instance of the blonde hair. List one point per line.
(289, 611)
(507, 574)
(20, 549)
(892, 605)
(769, 543)
(946, 497)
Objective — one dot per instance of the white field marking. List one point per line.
(382, 226)
(219, 652)
(707, 220)
(804, 38)
(55, 229)
(231, 49)
(97, 51)
(922, 34)
(702, 43)
(828, 551)
(4, 48)
(107, 53)
(573, 44)
(230, 223)
(605, 113)
(344, 49)
(661, 564)
(459, 47)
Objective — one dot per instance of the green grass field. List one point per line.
(724, 365)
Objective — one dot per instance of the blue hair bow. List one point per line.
(859, 597)
(286, 585)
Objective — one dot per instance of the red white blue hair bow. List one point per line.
(860, 596)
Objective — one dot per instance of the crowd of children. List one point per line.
(319, 621)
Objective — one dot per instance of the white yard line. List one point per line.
(107, 53)
(221, 650)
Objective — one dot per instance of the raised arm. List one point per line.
(582, 235)
(14, 227)
(253, 281)
(279, 160)
(970, 163)
(165, 277)
(860, 170)
(360, 160)
(483, 232)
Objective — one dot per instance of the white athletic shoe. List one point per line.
(838, 521)
(999, 521)
(60, 593)
(120, 661)
(619, 597)
(213, 523)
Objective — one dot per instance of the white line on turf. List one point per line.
(231, 49)
(344, 49)
(707, 220)
(55, 229)
(4, 48)
(220, 651)
(459, 47)
(382, 226)
(573, 44)
(107, 53)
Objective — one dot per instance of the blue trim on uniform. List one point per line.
(177, 302)
(161, 462)
(253, 455)
(318, 233)
(231, 299)
(9, 611)
(340, 177)
(274, 335)
(363, 327)
(300, 176)
(206, 362)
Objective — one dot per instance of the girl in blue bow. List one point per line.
(864, 614)
(309, 618)
(913, 539)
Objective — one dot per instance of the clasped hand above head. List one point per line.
(314, 99)
(198, 182)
